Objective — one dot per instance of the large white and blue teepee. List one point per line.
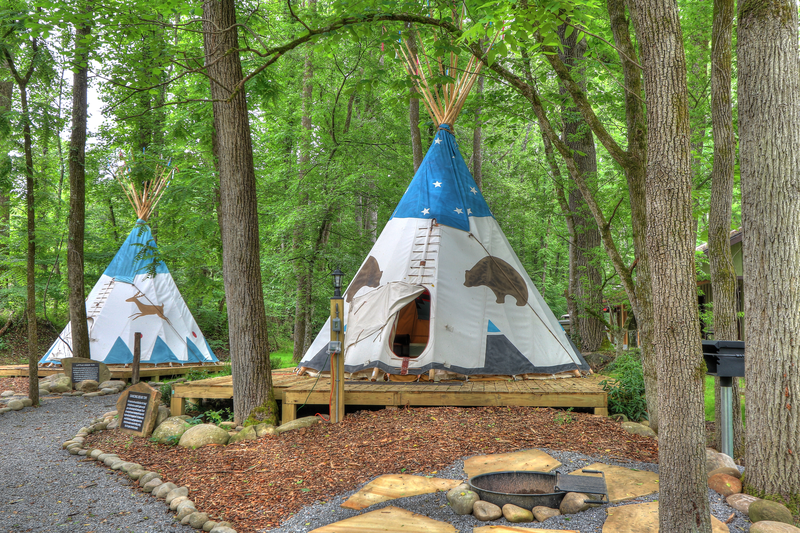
(442, 288)
(136, 293)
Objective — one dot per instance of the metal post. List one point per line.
(137, 353)
(726, 406)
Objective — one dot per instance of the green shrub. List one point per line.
(626, 390)
(166, 394)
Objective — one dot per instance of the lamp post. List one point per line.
(336, 348)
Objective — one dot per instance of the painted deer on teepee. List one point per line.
(147, 309)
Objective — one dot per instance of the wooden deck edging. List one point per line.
(293, 391)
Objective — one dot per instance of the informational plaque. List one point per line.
(135, 411)
(84, 371)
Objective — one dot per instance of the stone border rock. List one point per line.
(17, 402)
(176, 497)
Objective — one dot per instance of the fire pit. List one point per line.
(532, 489)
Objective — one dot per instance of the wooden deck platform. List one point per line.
(293, 391)
(117, 371)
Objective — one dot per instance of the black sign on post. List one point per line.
(84, 371)
(135, 410)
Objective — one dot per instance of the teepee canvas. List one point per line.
(134, 294)
(442, 289)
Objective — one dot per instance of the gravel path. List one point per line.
(44, 488)
(435, 505)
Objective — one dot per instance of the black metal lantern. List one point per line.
(337, 283)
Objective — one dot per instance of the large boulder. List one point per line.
(741, 502)
(203, 435)
(248, 433)
(112, 384)
(170, 430)
(638, 429)
(716, 460)
(486, 511)
(767, 526)
(542, 513)
(516, 515)
(304, 422)
(15, 405)
(461, 501)
(574, 502)
(771, 511)
(60, 383)
(726, 470)
(724, 484)
(163, 414)
(87, 385)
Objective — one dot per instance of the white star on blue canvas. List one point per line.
(469, 211)
(437, 141)
(437, 183)
(473, 190)
(426, 211)
(458, 210)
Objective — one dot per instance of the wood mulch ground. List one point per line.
(18, 385)
(258, 484)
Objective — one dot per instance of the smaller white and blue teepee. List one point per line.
(136, 293)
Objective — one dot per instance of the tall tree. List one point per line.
(477, 136)
(769, 133)
(683, 488)
(585, 296)
(723, 275)
(413, 109)
(77, 190)
(253, 396)
(22, 80)
(302, 269)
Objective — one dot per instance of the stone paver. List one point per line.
(643, 518)
(387, 520)
(535, 460)
(393, 486)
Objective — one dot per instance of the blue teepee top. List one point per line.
(125, 266)
(443, 187)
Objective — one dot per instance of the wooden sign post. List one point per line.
(137, 354)
(337, 359)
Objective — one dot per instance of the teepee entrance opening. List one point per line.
(412, 328)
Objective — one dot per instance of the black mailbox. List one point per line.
(724, 358)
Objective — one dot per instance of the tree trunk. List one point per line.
(413, 110)
(723, 274)
(6, 91)
(477, 150)
(77, 197)
(635, 173)
(253, 396)
(683, 496)
(302, 269)
(33, 348)
(769, 133)
(585, 281)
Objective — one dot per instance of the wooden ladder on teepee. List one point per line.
(100, 301)
(425, 254)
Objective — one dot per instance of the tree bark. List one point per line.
(302, 269)
(585, 281)
(769, 133)
(723, 274)
(22, 82)
(683, 496)
(77, 196)
(477, 148)
(6, 91)
(413, 109)
(635, 173)
(253, 396)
